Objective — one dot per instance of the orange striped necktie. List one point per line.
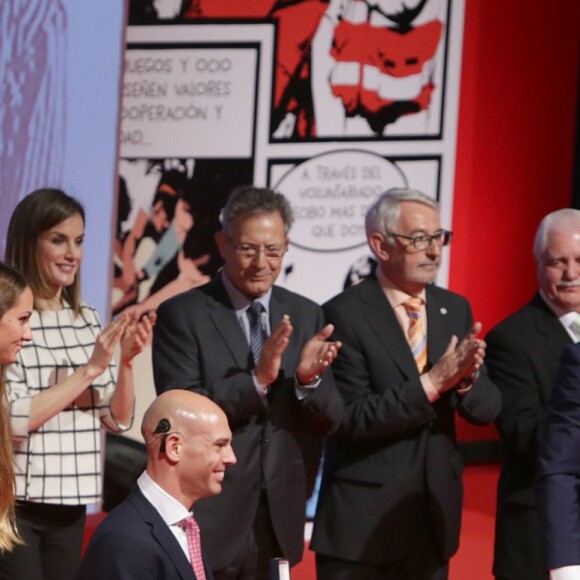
(416, 334)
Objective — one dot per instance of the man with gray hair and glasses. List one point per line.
(523, 354)
(391, 496)
(262, 353)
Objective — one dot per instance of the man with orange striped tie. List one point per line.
(390, 503)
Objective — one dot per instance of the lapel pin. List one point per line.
(443, 311)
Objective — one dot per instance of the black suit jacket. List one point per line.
(558, 479)
(134, 543)
(522, 358)
(199, 345)
(395, 459)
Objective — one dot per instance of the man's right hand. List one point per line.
(458, 362)
(271, 356)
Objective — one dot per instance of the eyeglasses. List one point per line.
(421, 243)
(249, 251)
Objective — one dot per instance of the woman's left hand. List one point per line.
(137, 335)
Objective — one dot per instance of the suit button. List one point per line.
(266, 441)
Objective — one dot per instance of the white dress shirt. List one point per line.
(170, 510)
(565, 573)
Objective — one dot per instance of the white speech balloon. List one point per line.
(330, 195)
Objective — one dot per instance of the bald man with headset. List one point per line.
(152, 534)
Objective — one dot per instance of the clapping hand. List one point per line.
(137, 335)
(317, 354)
(459, 362)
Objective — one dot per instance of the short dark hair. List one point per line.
(35, 214)
(249, 200)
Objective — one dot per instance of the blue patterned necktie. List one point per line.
(257, 332)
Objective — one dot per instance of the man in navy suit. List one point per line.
(260, 352)
(558, 478)
(188, 450)
(391, 495)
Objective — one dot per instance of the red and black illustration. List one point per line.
(344, 68)
(375, 61)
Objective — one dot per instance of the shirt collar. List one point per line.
(239, 300)
(559, 312)
(394, 294)
(170, 510)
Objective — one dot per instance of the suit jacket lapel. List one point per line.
(549, 327)
(167, 540)
(279, 306)
(383, 321)
(224, 318)
(161, 532)
(437, 333)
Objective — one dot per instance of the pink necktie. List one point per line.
(194, 544)
(416, 333)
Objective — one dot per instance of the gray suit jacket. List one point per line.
(198, 344)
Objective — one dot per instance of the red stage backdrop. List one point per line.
(515, 149)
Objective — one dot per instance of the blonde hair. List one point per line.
(12, 283)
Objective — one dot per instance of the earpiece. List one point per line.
(163, 427)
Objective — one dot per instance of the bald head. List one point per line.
(179, 409)
(188, 445)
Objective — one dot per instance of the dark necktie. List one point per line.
(257, 332)
(194, 544)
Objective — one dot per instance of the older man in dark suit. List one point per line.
(522, 357)
(152, 533)
(391, 497)
(260, 352)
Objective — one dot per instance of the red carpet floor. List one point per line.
(472, 562)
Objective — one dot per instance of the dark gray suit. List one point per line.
(199, 345)
(522, 358)
(394, 467)
(134, 543)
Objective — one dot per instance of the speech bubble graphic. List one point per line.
(330, 195)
